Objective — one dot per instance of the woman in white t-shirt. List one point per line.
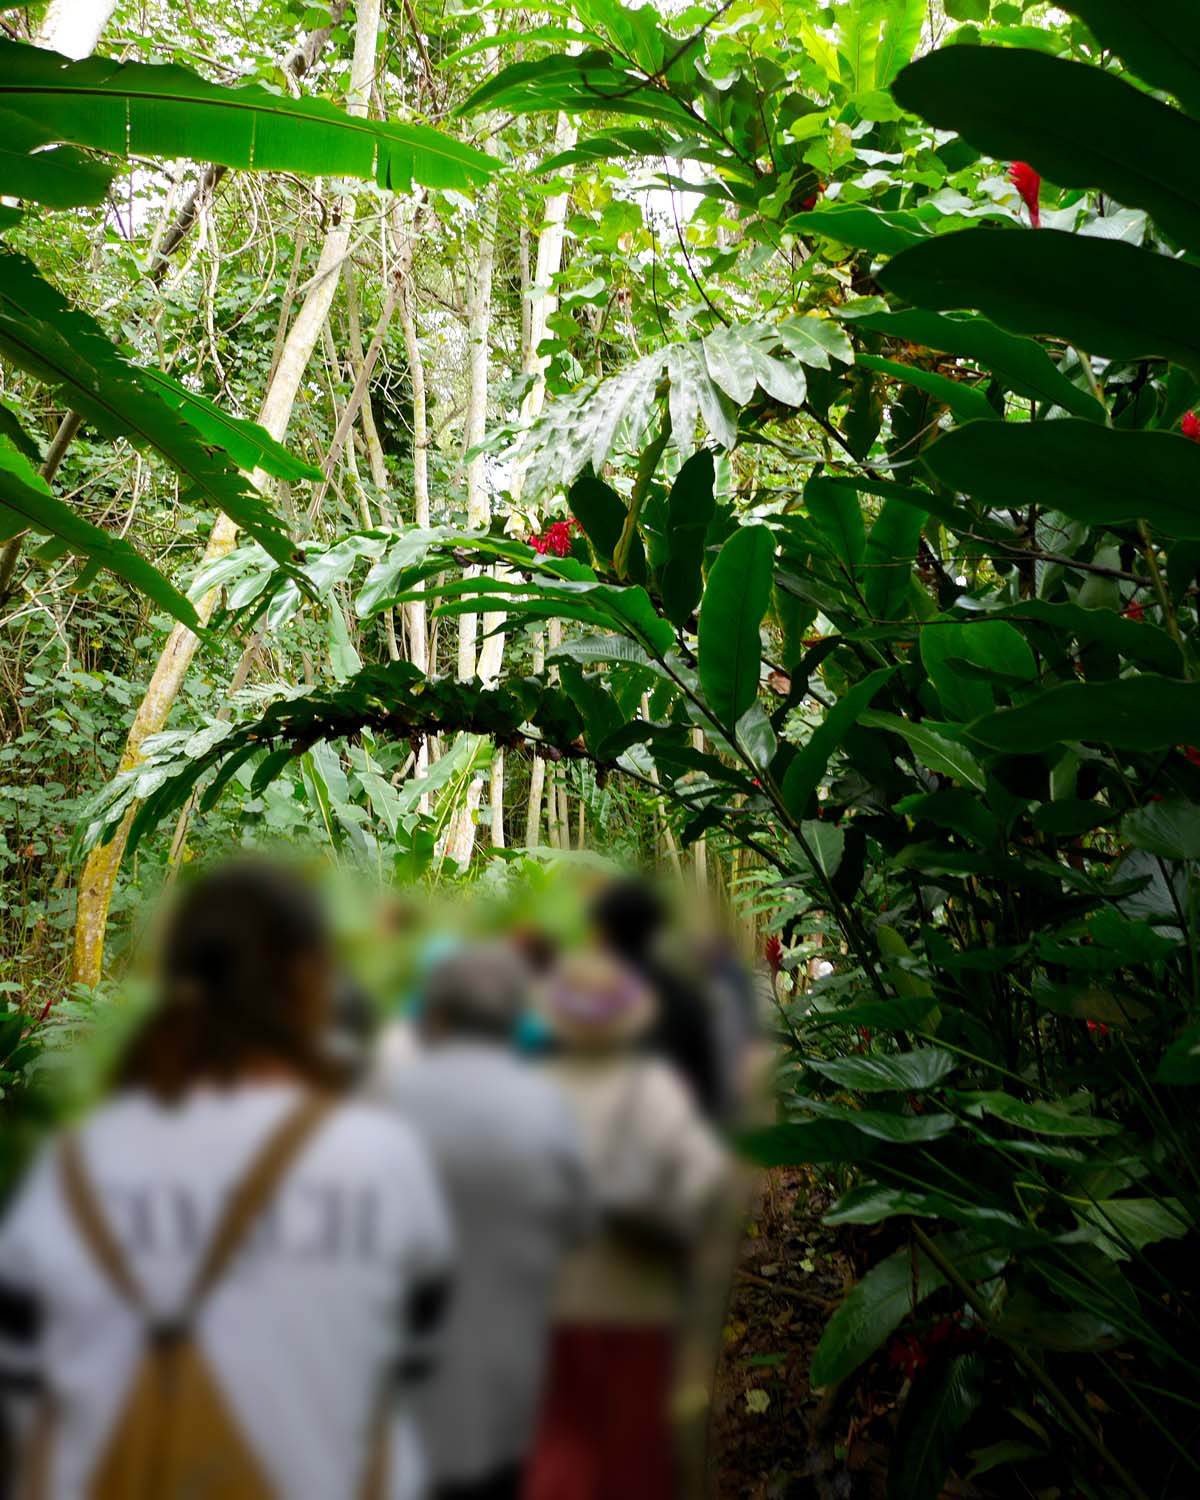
(324, 1300)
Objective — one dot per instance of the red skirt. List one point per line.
(605, 1432)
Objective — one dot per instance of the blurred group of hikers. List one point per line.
(479, 1251)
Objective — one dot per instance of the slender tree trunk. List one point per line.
(102, 864)
(700, 847)
(73, 27)
(537, 768)
(418, 643)
(496, 798)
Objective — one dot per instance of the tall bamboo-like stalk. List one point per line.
(102, 864)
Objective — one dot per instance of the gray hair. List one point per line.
(479, 990)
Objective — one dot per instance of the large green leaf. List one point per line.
(870, 229)
(1077, 287)
(1076, 124)
(1020, 363)
(690, 507)
(1135, 640)
(1157, 38)
(940, 1404)
(905, 1072)
(64, 347)
(1103, 475)
(1134, 713)
(930, 748)
(26, 501)
(963, 400)
(808, 765)
(62, 178)
(836, 511)
(143, 109)
(248, 445)
(1169, 828)
(893, 545)
(739, 590)
(877, 1306)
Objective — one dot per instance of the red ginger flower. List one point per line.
(1029, 184)
(1134, 611)
(1190, 426)
(1097, 1028)
(774, 955)
(556, 538)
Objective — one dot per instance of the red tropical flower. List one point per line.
(1192, 754)
(774, 955)
(556, 538)
(1190, 426)
(1134, 611)
(1029, 184)
(1097, 1028)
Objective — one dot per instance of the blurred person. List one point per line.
(630, 920)
(211, 1285)
(511, 1158)
(657, 1170)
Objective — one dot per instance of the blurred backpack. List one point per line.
(176, 1436)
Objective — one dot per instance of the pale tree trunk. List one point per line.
(102, 864)
(415, 617)
(73, 27)
(537, 770)
(461, 840)
(496, 795)
(700, 847)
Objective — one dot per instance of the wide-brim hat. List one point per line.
(592, 1000)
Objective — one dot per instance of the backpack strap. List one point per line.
(92, 1224)
(246, 1202)
(256, 1189)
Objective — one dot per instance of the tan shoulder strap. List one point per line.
(256, 1190)
(92, 1224)
(246, 1202)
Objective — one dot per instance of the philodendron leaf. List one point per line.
(903, 1072)
(877, 1306)
(1078, 125)
(1133, 713)
(1073, 286)
(1101, 475)
(739, 590)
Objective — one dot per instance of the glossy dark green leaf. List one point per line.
(1157, 38)
(821, 1142)
(1133, 713)
(1102, 475)
(877, 1306)
(690, 508)
(893, 545)
(941, 1402)
(1077, 287)
(808, 765)
(602, 513)
(905, 1072)
(963, 400)
(879, 233)
(937, 751)
(836, 511)
(1020, 363)
(1042, 1118)
(735, 601)
(1169, 828)
(1135, 640)
(1078, 125)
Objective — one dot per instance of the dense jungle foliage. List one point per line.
(756, 440)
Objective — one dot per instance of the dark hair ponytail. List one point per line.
(241, 952)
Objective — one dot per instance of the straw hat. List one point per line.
(593, 1000)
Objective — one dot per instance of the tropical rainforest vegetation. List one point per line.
(755, 440)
